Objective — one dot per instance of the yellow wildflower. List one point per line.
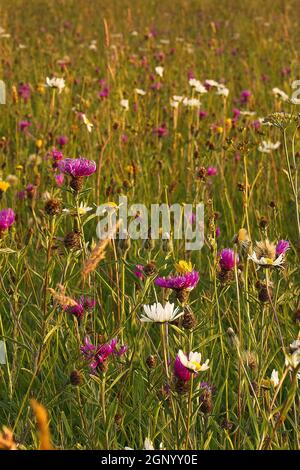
(183, 267)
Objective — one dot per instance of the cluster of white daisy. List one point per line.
(57, 83)
(267, 146)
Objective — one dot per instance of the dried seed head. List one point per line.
(73, 240)
(263, 222)
(206, 401)
(189, 320)
(265, 249)
(151, 361)
(182, 295)
(297, 316)
(254, 388)
(225, 276)
(150, 269)
(181, 386)
(202, 173)
(103, 367)
(250, 360)
(53, 207)
(118, 419)
(265, 293)
(241, 187)
(76, 183)
(226, 425)
(76, 378)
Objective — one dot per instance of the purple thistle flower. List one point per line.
(245, 96)
(21, 195)
(282, 247)
(124, 138)
(77, 167)
(59, 179)
(62, 140)
(88, 349)
(161, 131)
(139, 269)
(24, 91)
(7, 218)
(227, 259)
(96, 355)
(83, 304)
(180, 371)
(76, 310)
(203, 114)
(218, 232)
(24, 125)
(185, 281)
(56, 156)
(211, 171)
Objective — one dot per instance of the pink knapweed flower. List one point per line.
(7, 218)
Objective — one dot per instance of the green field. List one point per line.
(176, 101)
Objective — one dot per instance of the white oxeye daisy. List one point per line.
(212, 83)
(267, 146)
(274, 378)
(139, 91)
(125, 104)
(267, 262)
(159, 71)
(247, 113)
(107, 208)
(54, 82)
(222, 90)
(174, 104)
(82, 210)
(193, 361)
(197, 85)
(156, 313)
(191, 102)
(177, 98)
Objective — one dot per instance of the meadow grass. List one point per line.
(152, 153)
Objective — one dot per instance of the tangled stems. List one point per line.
(189, 411)
(293, 182)
(164, 333)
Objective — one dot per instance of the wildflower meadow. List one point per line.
(149, 225)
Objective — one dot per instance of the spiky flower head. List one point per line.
(187, 281)
(98, 355)
(268, 255)
(7, 218)
(228, 259)
(282, 247)
(77, 167)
